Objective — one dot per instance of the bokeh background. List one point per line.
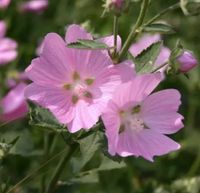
(178, 172)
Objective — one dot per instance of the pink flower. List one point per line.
(187, 61)
(146, 41)
(8, 46)
(4, 3)
(75, 85)
(37, 6)
(136, 122)
(13, 105)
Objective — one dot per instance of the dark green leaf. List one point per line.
(145, 62)
(43, 118)
(159, 28)
(88, 44)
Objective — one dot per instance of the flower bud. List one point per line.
(186, 61)
(115, 5)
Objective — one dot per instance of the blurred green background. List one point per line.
(176, 172)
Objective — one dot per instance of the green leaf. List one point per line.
(159, 28)
(145, 62)
(89, 44)
(88, 147)
(108, 164)
(43, 118)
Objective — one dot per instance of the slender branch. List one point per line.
(58, 171)
(159, 15)
(32, 174)
(136, 29)
(115, 32)
(159, 67)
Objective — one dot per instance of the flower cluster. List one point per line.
(80, 86)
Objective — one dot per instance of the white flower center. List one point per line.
(131, 120)
(79, 88)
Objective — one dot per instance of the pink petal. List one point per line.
(127, 70)
(75, 32)
(143, 43)
(136, 90)
(112, 123)
(7, 56)
(13, 104)
(37, 6)
(86, 116)
(146, 143)
(159, 111)
(109, 41)
(4, 3)
(57, 100)
(54, 64)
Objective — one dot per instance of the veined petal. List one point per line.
(159, 111)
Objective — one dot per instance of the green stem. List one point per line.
(58, 171)
(159, 67)
(159, 15)
(136, 29)
(195, 166)
(115, 32)
(31, 175)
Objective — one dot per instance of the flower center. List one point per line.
(131, 120)
(79, 88)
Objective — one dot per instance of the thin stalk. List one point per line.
(136, 29)
(159, 15)
(58, 171)
(115, 32)
(195, 166)
(32, 174)
(159, 67)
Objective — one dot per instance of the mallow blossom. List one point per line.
(137, 122)
(4, 4)
(144, 42)
(8, 47)
(13, 106)
(36, 6)
(187, 61)
(74, 84)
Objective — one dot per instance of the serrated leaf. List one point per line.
(159, 28)
(108, 164)
(145, 61)
(88, 44)
(88, 147)
(85, 177)
(42, 118)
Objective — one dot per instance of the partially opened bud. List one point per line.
(187, 61)
(115, 5)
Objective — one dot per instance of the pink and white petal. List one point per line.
(85, 117)
(163, 57)
(54, 66)
(75, 32)
(7, 44)
(159, 111)
(91, 63)
(143, 43)
(146, 143)
(7, 56)
(112, 124)
(58, 101)
(105, 85)
(126, 69)
(13, 99)
(136, 90)
(109, 41)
